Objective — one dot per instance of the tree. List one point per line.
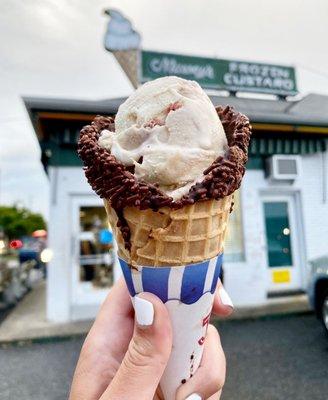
(17, 222)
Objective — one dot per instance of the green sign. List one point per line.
(200, 69)
(256, 77)
(212, 73)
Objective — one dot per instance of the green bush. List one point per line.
(17, 222)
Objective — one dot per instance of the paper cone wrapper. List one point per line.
(188, 294)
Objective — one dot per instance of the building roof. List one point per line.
(310, 110)
(279, 126)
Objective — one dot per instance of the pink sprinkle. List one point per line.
(153, 122)
(174, 106)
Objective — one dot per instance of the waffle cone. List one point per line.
(173, 237)
(129, 62)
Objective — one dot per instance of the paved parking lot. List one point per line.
(276, 359)
(273, 359)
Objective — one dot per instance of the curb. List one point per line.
(40, 340)
(216, 321)
(278, 315)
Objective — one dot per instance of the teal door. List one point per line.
(282, 251)
(278, 234)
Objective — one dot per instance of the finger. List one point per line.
(222, 305)
(101, 353)
(147, 355)
(115, 314)
(216, 396)
(117, 298)
(116, 306)
(210, 376)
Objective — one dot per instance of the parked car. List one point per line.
(31, 249)
(318, 289)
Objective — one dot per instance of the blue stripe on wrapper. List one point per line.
(157, 280)
(217, 272)
(193, 282)
(150, 279)
(128, 277)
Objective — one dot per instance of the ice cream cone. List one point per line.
(185, 245)
(167, 168)
(129, 61)
(173, 237)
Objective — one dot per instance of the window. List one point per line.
(96, 257)
(234, 242)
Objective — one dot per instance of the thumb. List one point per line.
(147, 354)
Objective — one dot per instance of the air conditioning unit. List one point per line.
(283, 167)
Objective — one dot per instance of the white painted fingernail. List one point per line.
(144, 311)
(194, 396)
(225, 298)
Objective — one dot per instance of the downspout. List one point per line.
(324, 175)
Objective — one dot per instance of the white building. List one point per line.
(278, 224)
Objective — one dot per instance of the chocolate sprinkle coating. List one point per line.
(111, 180)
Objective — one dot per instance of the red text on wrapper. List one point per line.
(206, 321)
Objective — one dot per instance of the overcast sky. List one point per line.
(54, 48)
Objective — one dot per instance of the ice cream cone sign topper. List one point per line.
(124, 42)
